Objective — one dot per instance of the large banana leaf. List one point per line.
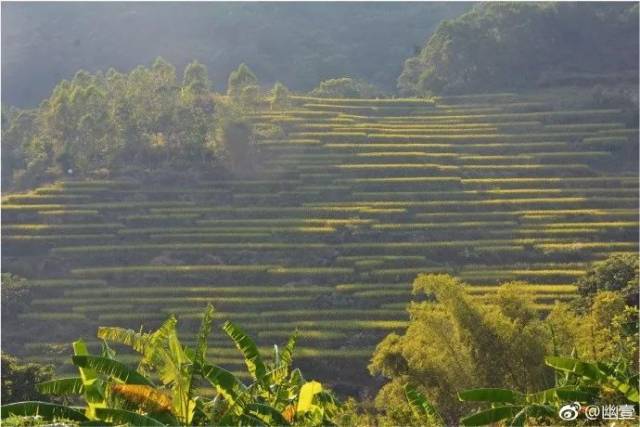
(128, 337)
(563, 394)
(111, 368)
(421, 406)
(286, 356)
(307, 392)
(226, 384)
(61, 386)
(48, 411)
(249, 350)
(203, 334)
(267, 414)
(492, 415)
(120, 416)
(599, 373)
(94, 393)
(574, 366)
(493, 395)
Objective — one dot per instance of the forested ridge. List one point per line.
(510, 46)
(297, 44)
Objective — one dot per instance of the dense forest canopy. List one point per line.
(507, 45)
(297, 44)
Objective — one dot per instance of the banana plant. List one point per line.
(576, 381)
(278, 395)
(617, 376)
(116, 394)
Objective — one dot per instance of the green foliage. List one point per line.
(576, 381)
(603, 330)
(281, 97)
(235, 137)
(16, 297)
(498, 45)
(345, 87)
(196, 79)
(19, 379)
(617, 273)
(161, 391)
(240, 79)
(446, 344)
(48, 411)
(105, 123)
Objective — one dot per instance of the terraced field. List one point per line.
(360, 197)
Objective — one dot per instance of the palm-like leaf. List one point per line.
(599, 373)
(249, 350)
(226, 384)
(93, 387)
(286, 356)
(267, 414)
(203, 334)
(493, 395)
(420, 406)
(48, 411)
(120, 416)
(62, 386)
(145, 396)
(307, 392)
(128, 337)
(111, 368)
(492, 415)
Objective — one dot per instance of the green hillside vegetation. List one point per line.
(509, 45)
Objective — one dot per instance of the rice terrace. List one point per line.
(314, 212)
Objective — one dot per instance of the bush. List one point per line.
(19, 379)
(617, 273)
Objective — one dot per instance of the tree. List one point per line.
(617, 273)
(112, 123)
(19, 380)
(446, 346)
(280, 97)
(16, 297)
(240, 79)
(196, 79)
(603, 330)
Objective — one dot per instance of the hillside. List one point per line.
(506, 46)
(297, 44)
(360, 197)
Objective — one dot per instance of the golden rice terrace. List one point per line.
(359, 198)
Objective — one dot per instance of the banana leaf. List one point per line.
(111, 368)
(61, 386)
(421, 406)
(267, 414)
(493, 395)
(120, 416)
(249, 350)
(48, 411)
(203, 334)
(226, 384)
(492, 415)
